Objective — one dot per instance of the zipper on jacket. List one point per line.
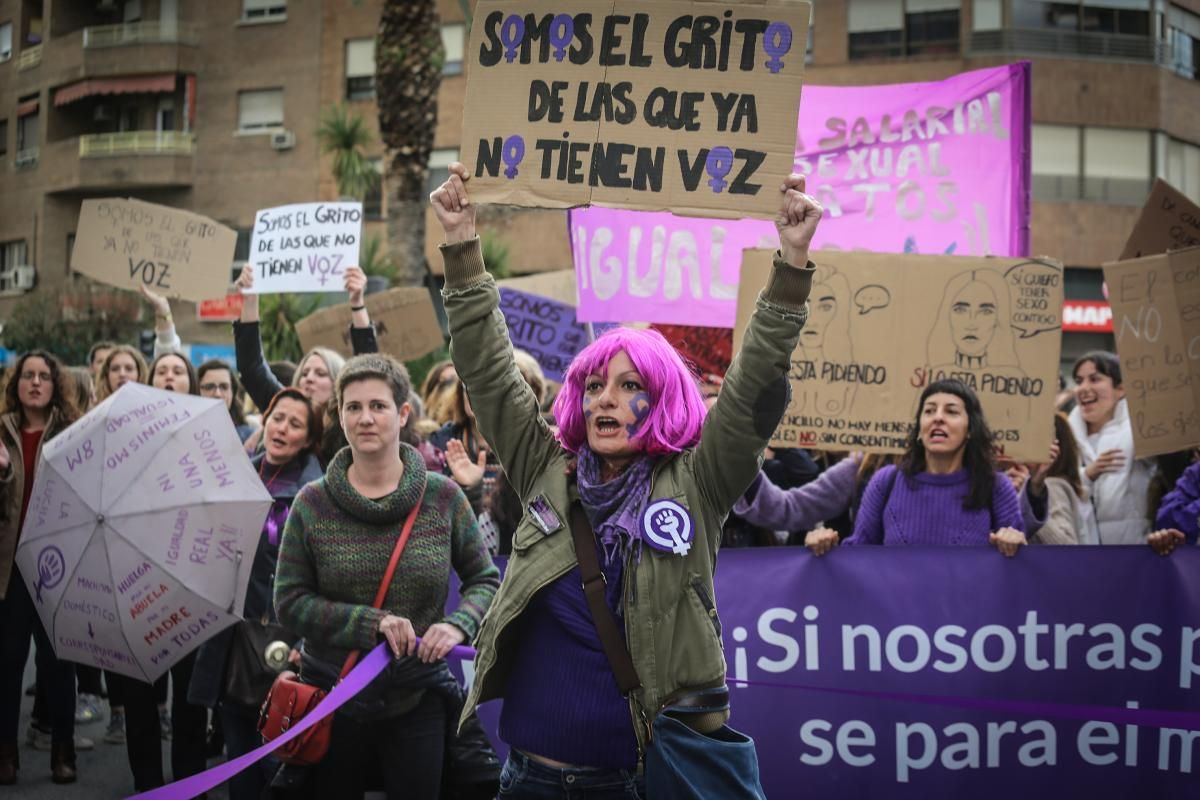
(709, 607)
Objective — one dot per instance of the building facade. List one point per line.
(214, 106)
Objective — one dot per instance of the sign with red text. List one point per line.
(643, 104)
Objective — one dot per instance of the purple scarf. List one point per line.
(615, 508)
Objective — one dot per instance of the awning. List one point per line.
(135, 85)
(27, 108)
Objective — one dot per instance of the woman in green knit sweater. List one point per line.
(336, 545)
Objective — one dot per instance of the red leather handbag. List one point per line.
(290, 700)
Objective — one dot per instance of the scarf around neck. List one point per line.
(615, 507)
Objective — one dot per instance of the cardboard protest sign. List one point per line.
(129, 243)
(1169, 221)
(649, 104)
(939, 167)
(544, 328)
(404, 319)
(1156, 319)
(304, 247)
(882, 327)
(710, 350)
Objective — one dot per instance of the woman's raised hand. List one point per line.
(1007, 541)
(466, 473)
(452, 206)
(797, 221)
(355, 285)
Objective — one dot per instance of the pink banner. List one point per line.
(938, 167)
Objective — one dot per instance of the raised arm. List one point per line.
(362, 332)
(505, 407)
(755, 393)
(166, 339)
(261, 384)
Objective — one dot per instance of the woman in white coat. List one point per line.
(1115, 481)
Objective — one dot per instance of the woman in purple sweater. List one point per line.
(945, 490)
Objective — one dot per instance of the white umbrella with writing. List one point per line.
(141, 531)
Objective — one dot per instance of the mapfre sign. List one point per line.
(1087, 316)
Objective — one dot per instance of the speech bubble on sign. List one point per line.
(871, 297)
(1034, 285)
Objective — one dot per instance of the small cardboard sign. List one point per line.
(305, 247)
(1169, 221)
(642, 104)
(130, 243)
(882, 327)
(405, 324)
(1156, 318)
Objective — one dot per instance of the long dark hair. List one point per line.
(977, 452)
(235, 408)
(1066, 466)
(61, 401)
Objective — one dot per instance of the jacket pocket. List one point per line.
(710, 608)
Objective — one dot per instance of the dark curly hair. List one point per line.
(61, 401)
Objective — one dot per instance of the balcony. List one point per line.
(120, 162)
(137, 143)
(30, 57)
(140, 33)
(1071, 44)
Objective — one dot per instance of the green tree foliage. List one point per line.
(344, 135)
(68, 324)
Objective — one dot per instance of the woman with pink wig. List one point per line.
(636, 462)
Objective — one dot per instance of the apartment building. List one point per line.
(214, 106)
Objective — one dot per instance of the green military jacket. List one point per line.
(671, 622)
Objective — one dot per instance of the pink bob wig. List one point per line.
(676, 406)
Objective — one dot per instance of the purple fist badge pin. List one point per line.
(51, 568)
(667, 526)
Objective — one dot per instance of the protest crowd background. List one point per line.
(319, 275)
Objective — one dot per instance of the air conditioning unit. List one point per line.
(23, 277)
(26, 158)
(283, 140)
(104, 113)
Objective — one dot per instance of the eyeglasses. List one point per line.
(44, 377)
(223, 388)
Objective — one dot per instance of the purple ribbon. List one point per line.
(370, 667)
(366, 671)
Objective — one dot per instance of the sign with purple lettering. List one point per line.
(142, 526)
(930, 168)
(641, 104)
(943, 672)
(305, 247)
(544, 328)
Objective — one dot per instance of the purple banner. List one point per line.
(931, 168)
(909, 672)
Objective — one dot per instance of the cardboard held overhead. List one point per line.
(643, 104)
(1156, 320)
(130, 243)
(882, 327)
(404, 319)
(1169, 221)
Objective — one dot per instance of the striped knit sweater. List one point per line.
(336, 546)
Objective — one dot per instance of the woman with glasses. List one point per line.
(219, 381)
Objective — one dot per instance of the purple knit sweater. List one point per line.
(928, 509)
(799, 509)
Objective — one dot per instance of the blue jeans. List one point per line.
(525, 779)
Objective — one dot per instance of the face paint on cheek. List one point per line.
(640, 406)
(587, 412)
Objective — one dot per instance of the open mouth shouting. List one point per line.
(606, 426)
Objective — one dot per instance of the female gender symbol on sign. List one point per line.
(777, 42)
(512, 153)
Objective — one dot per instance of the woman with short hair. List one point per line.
(337, 543)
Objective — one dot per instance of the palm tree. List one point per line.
(344, 135)
(408, 73)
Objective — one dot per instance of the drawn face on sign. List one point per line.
(826, 334)
(973, 319)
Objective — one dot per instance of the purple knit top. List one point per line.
(928, 509)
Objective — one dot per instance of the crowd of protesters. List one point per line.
(348, 449)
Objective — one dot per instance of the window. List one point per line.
(12, 254)
(987, 15)
(1183, 42)
(6, 41)
(241, 249)
(1129, 17)
(439, 166)
(1055, 164)
(260, 109)
(453, 41)
(876, 28)
(27, 133)
(886, 28)
(3, 137)
(1116, 165)
(1179, 165)
(373, 200)
(275, 10)
(360, 69)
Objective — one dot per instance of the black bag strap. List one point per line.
(594, 585)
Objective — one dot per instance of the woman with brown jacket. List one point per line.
(36, 408)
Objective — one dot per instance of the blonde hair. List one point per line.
(143, 372)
